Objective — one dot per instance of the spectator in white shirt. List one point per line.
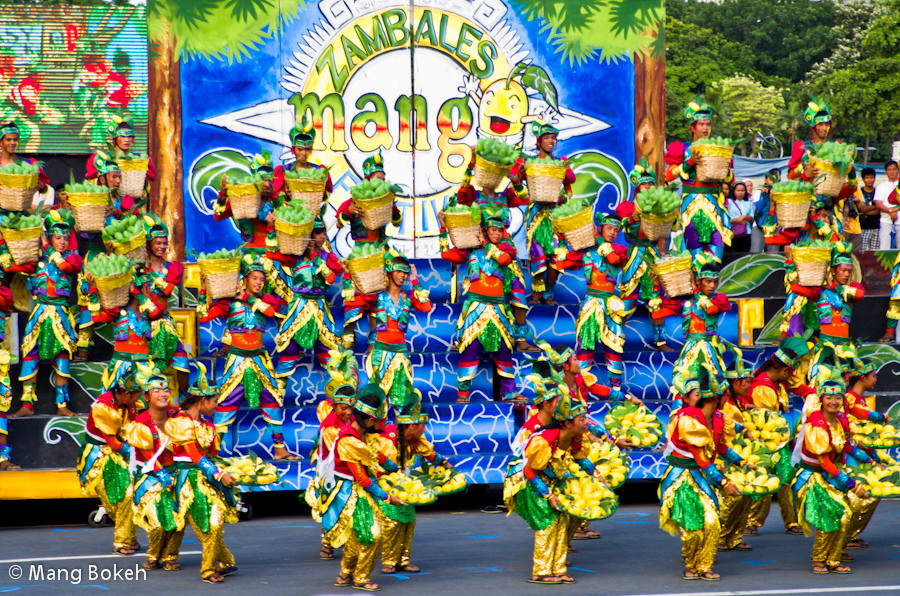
(889, 220)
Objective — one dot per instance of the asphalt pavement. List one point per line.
(460, 552)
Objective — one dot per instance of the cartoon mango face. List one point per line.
(502, 108)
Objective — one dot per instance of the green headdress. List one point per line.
(705, 266)
(817, 111)
(797, 344)
(841, 254)
(344, 372)
(607, 219)
(829, 380)
(372, 164)
(261, 163)
(303, 134)
(148, 378)
(380, 410)
(555, 358)
(104, 164)
(492, 216)
(539, 129)
(10, 128)
(568, 408)
(140, 275)
(395, 261)
(120, 125)
(545, 389)
(862, 367)
(59, 221)
(642, 173)
(251, 263)
(738, 368)
(202, 387)
(318, 225)
(127, 380)
(412, 413)
(698, 110)
(155, 227)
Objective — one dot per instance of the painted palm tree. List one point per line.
(211, 29)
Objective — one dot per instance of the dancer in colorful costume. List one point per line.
(893, 311)
(541, 239)
(484, 324)
(248, 368)
(9, 144)
(638, 282)
(6, 304)
(547, 455)
(154, 503)
(103, 466)
(825, 496)
(388, 363)
(303, 135)
(602, 315)
(50, 330)
(689, 504)
(203, 492)
(352, 518)
(704, 216)
(119, 141)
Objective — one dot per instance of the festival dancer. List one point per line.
(165, 279)
(353, 492)
(689, 504)
(9, 144)
(893, 311)
(601, 318)
(700, 323)
(825, 495)
(203, 491)
(248, 368)
(103, 466)
(50, 330)
(303, 135)
(254, 232)
(484, 324)
(638, 281)
(541, 240)
(308, 324)
(388, 363)
(119, 141)
(704, 217)
(6, 304)
(547, 455)
(357, 304)
(154, 503)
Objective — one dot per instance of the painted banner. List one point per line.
(421, 82)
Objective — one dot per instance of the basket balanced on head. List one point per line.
(244, 194)
(493, 160)
(293, 225)
(134, 175)
(575, 221)
(112, 275)
(833, 160)
(222, 272)
(659, 210)
(89, 203)
(22, 234)
(128, 238)
(544, 177)
(375, 199)
(366, 265)
(18, 183)
(812, 260)
(712, 158)
(674, 272)
(464, 225)
(792, 199)
(307, 186)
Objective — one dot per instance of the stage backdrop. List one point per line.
(420, 81)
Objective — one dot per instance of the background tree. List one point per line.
(752, 107)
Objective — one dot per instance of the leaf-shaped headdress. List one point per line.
(539, 129)
(568, 408)
(705, 265)
(372, 164)
(642, 173)
(261, 163)
(59, 221)
(698, 109)
(149, 378)
(817, 111)
(304, 133)
(9, 128)
(251, 263)
(394, 260)
(120, 125)
(202, 387)
(104, 164)
(155, 227)
(841, 254)
(372, 392)
(344, 372)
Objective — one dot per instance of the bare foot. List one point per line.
(80, 356)
(887, 338)
(23, 412)
(8, 466)
(664, 348)
(283, 454)
(64, 411)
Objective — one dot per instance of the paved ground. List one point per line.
(464, 551)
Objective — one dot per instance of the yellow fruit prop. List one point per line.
(879, 482)
(443, 481)
(612, 462)
(753, 482)
(249, 470)
(874, 435)
(636, 423)
(753, 452)
(768, 427)
(408, 489)
(586, 497)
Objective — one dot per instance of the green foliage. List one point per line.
(570, 207)
(108, 265)
(365, 249)
(219, 254)
(752, 106)
(834, 152)
(658, 200)
(813, 244)
(720, 141)
(85, 188)
(256, 179)
(545, 161)
(294, 213)
(19, 169)
(474, 211)
(123, 230)
(307, 174)
(370, 189)
(20, 221)
(793, 186)
(496, 151)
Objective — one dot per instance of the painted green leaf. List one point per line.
(74, 426)
(879, 354)
(537, 78)
(886, 258)
(207, 172)
(594, 171)
(771, 333)
(88, 376)
(748, 273)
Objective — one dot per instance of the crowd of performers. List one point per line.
(153, 464)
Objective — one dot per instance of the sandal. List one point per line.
(409, 568)
(566, 579)
(857, 543)
(741, 546)
(8, 466)
(820, 569)
(751, 531)
(846, 558)
(794, 531)
(690, 575)
(213, 578)
(586, 535)
(710, 576)
(368, 587)
(327, 553)
(886, 338)
(172, 566)
(223, 571)
(840, 569)
(389, 569)
(544, 579)
(151, 565)
(462, 399)
(125, 550)
(343, 581)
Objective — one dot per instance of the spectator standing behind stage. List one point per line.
(740, 210)
(888, 210)
(761, 206)
(869, 213)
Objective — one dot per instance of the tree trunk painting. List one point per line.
(650, 110)
(167, 198)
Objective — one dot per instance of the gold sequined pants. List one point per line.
(861, 519)
(733, 517)
(551, 546)
(397, 538)
(698, 548)
(122, 514)
(164, 546)
(359, 559)
(759, 510)
(214, 549)
(828, 546)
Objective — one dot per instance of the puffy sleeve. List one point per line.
(138, 435)
(107, 420)
(351, 449)
(692, 432)
(329, 435)
(764, 397)
(537, 453)
(816, 440)
(181, 430)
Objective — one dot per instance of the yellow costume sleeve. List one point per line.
(584, 451)
(733, 413)
(323, 410)
(424, 448)
(106, 419)
(138, 435)
(329, 435)
(693, 433)
(353, 450)
(810, 405)
(538, 453)
(181, 430)
(816, 440)
(764, 397)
